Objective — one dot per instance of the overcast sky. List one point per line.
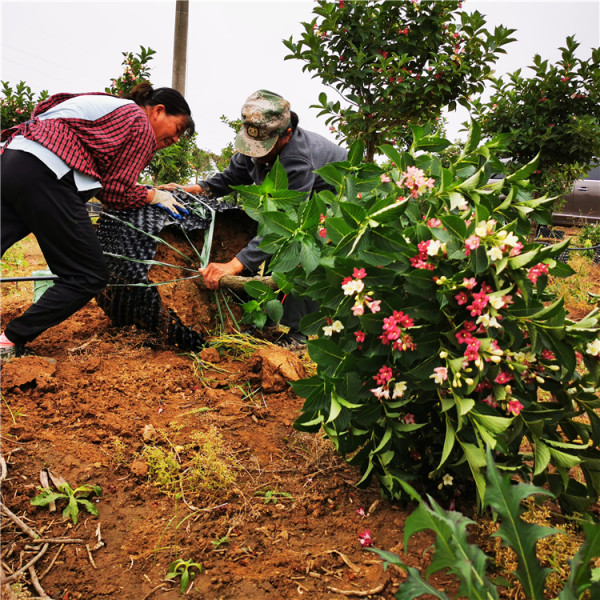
(234, 48)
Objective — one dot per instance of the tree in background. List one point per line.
(395, 63)
(555, 113)
(136, 70)
(18, 104)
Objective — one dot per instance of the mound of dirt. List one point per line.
(285, 526)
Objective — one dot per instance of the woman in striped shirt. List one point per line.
(77, 146)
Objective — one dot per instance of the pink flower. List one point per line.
(361, 512)
(380, 392)
(440, 374)
(514, 407)
(516, 249)
(375, 306)
(360, 336)
(434, 223)
(414, 179)
(472, 351)
(409, 418)
(503, 377)
(480, 301)
(383, 376)
(490, 401)
(365, 539)
(323, 232)
(471, 243)
(418, 263)
(548, 354)
(537, 271)
(359, 273)
(385, 178)
(469, 283)
(461, 298)
(358, 310)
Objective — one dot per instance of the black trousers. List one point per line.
(35, 201)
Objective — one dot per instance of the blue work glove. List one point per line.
(167, 202)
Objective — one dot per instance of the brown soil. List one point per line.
(96, 396)
(83, 407)
(190, 300)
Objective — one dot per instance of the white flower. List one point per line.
(328, 330)
(494, 253)
(481, 229)
(399, 389)
(488, 321)
(353, 286)
(511, 239)
(337, 326)
(381, 392)
(447, 479)
(434, 247)
(496, 302)
(593, 348)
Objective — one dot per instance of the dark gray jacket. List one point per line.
(301, 157)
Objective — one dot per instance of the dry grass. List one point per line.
(554, 551)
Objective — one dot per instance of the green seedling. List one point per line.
(273, 495)
(184, 569)
(75, 498)
(220, 542)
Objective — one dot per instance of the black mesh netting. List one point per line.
(121, 300)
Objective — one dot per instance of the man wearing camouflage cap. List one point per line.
(269, 130)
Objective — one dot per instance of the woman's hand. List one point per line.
(167, 202)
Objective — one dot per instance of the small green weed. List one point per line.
(200, 465)
(120, 455)
(220, 542)
(273, 495)
(13, 260)
(589, 236)
(75, 498)
(184, 569)
(14, 414)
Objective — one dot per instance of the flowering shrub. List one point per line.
(436, 333)
(553, 113)
(17, 104)
(395, 63)
(135, 70)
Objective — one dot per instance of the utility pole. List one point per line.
(180, 45)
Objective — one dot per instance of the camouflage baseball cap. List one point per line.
(265, 116)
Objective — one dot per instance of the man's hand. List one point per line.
(190, 189)
(213, 272)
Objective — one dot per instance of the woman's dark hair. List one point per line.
(143, 94)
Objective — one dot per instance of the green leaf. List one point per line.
(274, 310)
(356, 153)
(279, 222)
(309, 255)
(414, 586)
(256, 289)
(45, 497)
(332, 175)
(326, 353)
(581, 576)
(524, 172)
(505, 498)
